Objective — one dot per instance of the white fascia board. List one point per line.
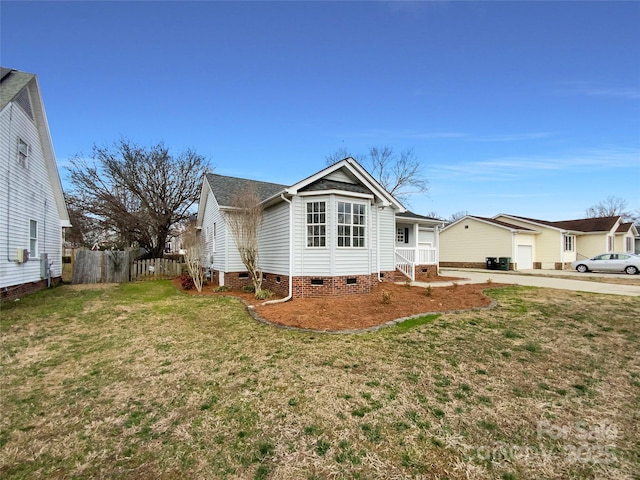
(204, 195)
(360, 173)
(49, 154)
(341, 193)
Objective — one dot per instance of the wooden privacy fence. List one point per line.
(101, 267)
(155, 268)
(117, 267)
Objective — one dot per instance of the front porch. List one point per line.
(407, 259)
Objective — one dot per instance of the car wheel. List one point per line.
(631, 270)
(582, 268)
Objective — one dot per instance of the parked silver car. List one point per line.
(610, 262)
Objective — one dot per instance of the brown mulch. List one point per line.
(356, 312)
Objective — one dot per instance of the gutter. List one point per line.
(288, 297)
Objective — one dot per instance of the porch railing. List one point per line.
(408, 258)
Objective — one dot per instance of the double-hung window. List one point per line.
(351, 224)
(569, 243)
(316, 224)
(33, 238)
(23, 152)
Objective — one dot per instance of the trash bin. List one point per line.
(492, 263)
(503, 263)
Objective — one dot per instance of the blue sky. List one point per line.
(529, 108)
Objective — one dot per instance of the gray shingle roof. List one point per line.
(503, 224)
(11, 83)
(224, 188)
(410, 214)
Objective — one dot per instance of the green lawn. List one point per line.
(141, 381)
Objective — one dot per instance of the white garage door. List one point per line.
(525, 257)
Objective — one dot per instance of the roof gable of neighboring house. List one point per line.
(628, 227)
(582, 225)
(493, 222)
(22, 89)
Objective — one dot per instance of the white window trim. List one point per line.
(22, 152)
(572, 240)
(307, 224)
(35, 239)
(352, 225)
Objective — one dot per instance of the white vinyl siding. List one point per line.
(26, 194)
(274, 240)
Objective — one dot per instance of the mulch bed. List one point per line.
(355, 312)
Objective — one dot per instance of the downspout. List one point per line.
(288, 297)
(378, 242)
(436, 232)
(514, 253)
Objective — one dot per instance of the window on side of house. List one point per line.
(610, 243)
(400, 235)
(23, 153)
(569, 243)
(33, 238)
(316, 224)
(628, 243)
(351, 224)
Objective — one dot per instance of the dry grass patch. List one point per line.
(152, 383)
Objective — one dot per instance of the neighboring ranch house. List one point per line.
(32, 207)
(336, 232)
(532, 243)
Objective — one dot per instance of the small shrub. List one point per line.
(428, 291)
(407, 282)
(386, 297)
(264, 294)
(221, 288)
(248, 289)
(187, 282)
(489, 281)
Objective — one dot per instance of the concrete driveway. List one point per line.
(536, 278)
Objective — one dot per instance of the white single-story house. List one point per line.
(532, 243)
(32, 205)
(335, 232)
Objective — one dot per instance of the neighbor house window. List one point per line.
(23, 152)
(628, 244)
(609, 243)
(351, 224)
(33, 238)
(316, 224)
(569, 243)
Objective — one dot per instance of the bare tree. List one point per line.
(610, 207)
(138, 193)
(244, 220)
(193, 253)
(399, 173)
(457, 215)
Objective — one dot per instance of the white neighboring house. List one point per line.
(337, 232)
(32, 207)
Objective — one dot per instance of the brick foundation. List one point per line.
(424, 272)
(19, 291)
(313, 286)
(463, 264)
